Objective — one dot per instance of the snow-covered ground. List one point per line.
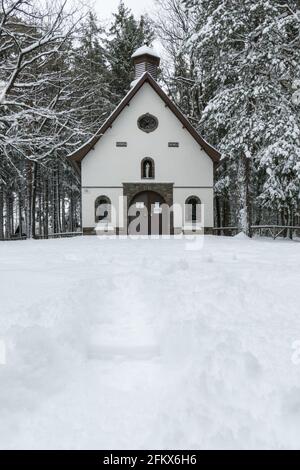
(144, 344)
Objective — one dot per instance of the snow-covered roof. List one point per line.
(145, 50)
(136, 81)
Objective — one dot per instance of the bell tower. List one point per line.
(145, 59)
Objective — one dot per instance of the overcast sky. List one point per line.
(104, 8)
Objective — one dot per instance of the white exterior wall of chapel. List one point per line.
(89, 196)
(180, 195)
(107, 167)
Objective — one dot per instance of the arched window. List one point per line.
(147, 168)
(193, 209)
(102, 209)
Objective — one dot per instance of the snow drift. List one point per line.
(144, 344)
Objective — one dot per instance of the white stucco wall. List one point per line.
(107, 167)
(89, 196)
(206, 197)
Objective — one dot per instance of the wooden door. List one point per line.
(145, 215)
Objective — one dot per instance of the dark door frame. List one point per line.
(147, 214)
(165, 190)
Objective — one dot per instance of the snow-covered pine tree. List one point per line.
(173, 23)
(279, 156)
(90, 66)
(126, 34)
(247, 52)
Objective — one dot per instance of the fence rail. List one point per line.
(59, 235)
(43, 237)
(274, 230)
(13, 238)
(226, 230)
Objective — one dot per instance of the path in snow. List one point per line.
(144, 344)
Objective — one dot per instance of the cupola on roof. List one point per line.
(145, 59)
(145, 50)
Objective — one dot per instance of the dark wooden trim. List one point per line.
(146, 77)
(146, 58)
(101, 187)
(77, 166)
(158, 182)
(165, 190)
(193, 187)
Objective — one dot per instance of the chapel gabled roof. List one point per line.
(79, 154)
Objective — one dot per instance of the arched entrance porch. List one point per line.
(147, 210)
(146, 195)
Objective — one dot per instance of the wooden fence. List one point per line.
(43, 237)
(59, 235)
(273, 230)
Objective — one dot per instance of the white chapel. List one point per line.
(147, 160)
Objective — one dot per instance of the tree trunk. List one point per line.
(28, 200)
(1, 211)
(20, 201)
(33, 198)
(8, 215)
(46, 207)
(245, 207)
(218, 212)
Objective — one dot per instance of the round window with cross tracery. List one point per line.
(147, 123)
